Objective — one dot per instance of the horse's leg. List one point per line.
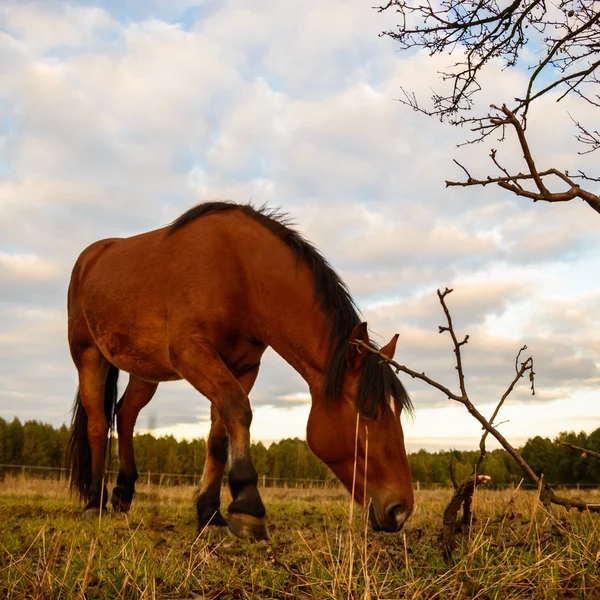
(208, 500)
(214, 380)
(137, 395)
(93, 369)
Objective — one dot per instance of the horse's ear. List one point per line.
(355, 355)
(390, 348)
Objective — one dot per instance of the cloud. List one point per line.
(292, 399)
(27, 267)
(50, 25)
(471, 304)
(117, 116)
(29, 278)
(561, 364)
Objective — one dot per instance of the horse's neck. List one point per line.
(304, 343)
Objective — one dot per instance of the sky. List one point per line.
(115, 117)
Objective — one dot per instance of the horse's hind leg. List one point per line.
(93, 370)
(208, 500)
(214, 380)
(137, 395)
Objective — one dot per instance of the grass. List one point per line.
(48, 551)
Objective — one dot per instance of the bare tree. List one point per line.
(464, 491)
(562, 40)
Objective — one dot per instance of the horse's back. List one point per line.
(232, 269)
(213, 278)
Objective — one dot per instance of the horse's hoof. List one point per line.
(215, 533)
(121, 507)
(247, 526)
(91, 514)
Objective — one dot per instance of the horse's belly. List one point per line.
(144, 368)
(145, 356)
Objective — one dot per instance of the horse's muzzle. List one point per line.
(392, 521)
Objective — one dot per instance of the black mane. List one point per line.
(378, 381)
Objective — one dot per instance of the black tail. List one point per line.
(79, 453)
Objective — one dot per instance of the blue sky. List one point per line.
(115, 117)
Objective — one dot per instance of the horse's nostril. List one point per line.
(399, 508)
(392, 520)
(397, 516)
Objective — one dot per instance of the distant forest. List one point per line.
(38, 444)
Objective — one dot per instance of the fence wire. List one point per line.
(166, 479)
(178, 479)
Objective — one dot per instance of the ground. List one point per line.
(48, 551)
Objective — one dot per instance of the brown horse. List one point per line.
(201, 300)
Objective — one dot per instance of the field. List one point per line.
(319, 548)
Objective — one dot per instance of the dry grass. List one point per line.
(511, 551)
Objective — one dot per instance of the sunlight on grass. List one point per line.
(48, 551)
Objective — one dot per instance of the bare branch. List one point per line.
(524, 347)
(582, 175)
(511, 182)
(586, 137)
(527, 365)
(584, 451)
(501, 168)
(457, 344)
(469, 178)
(547, 494)
(413, 374)
(483, 31)
(463, 400)
(557, 45)
(560, 43)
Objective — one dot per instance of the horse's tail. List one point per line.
(79, 453)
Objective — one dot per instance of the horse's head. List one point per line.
(372, 461)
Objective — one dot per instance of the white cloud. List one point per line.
(47, 25)
(26, 267)
(115, 118)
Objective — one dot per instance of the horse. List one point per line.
(201, 300)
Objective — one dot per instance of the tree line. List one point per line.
(38, 444)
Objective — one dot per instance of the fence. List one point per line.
(166, 479)
(177, 479)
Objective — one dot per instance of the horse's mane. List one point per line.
(378, 381)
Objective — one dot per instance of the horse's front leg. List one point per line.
(208, 499)
(201, 365)
(137, 395)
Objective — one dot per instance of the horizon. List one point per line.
(157, 434)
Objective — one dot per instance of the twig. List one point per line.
(584, 451)
(461, 496)
(527, 365)
(511, 182)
